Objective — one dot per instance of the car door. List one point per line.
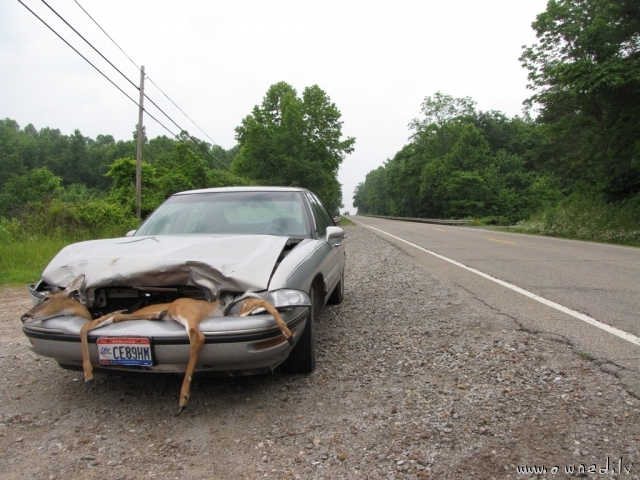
(333, 253)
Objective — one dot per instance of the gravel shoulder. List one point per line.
(415, 379)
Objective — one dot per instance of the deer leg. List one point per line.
(105, 320)
(196, 340)
(87, 368)
(276, 316)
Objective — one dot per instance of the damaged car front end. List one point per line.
(207, 245)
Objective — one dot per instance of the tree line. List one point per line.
(288, 139)
(584, 73)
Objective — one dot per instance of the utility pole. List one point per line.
(139, 151)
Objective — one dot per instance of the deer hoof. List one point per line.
(290, 340)
(88, 382)
(181, 408)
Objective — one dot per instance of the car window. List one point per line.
(252, 213)
(321, 217)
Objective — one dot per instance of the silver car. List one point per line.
(277, 242)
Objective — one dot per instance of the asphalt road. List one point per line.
(597, 280)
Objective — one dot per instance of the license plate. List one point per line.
(124, 351)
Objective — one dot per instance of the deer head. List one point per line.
(59, 303)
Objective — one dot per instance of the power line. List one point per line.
(74, 49)
(113, 83)
(114, 42)
(96, 68)
(187, 134)
(174, 103)
(145, 95)
(89, 43)
(150, 79)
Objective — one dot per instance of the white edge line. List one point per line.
(580, 316)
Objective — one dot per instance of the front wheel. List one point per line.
(337, 296)
(302, 358)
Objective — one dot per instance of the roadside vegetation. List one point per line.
(22, 262)
(344, 221)
(585, 219)
(569, 167)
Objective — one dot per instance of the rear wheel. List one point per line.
(302, 358)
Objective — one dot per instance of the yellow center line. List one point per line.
(501, 241)
(439, 230)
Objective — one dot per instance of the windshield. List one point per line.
(249, 213)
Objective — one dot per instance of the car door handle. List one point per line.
(337, 244)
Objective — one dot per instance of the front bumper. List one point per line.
(233, 345)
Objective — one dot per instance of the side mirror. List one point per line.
(130, 233)
(334, 233)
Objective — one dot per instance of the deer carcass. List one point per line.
(188, 312)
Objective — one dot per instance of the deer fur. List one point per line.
(186, 311)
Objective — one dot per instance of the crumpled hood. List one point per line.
(234, 263)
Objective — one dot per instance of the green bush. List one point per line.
(223, 178)
(588, 218)
(77, 221)
(11, 230)
(36, 184)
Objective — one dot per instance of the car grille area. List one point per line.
(130, 299)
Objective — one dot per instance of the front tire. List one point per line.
(337, 296)
(302, 358)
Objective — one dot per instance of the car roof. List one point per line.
(243, 189)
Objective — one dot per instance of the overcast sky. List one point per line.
(377, 61)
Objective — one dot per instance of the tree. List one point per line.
(184, 168)
(221, 157)
(288, 140)
(37, 185)
(157, 148)
(461, 163)
(585, 75)
(224, 178)
(10, 159)
(370, 196)
(456, 185)
(403, 181)
(442, 114)
(123, 192)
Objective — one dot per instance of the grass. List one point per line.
(26, 247)
(345, 221)
(585, 356)
(22, 262)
